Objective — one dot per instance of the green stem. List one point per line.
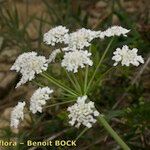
(56, 82)
(86, 79)
(85, 129)
(101, 77)
(71, 80)
(37, 83)
(86, 74)
(77, 83)
(102, 58)
(61, 103)
(103, 122)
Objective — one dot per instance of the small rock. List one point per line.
(4, 67)
(6, 113)
(9, 55)
(101, 4)
(3, 123)
(1, 42)
(115, 19)
(6, 83)
(2, 75)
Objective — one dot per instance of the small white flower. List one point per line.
(55, 35)
(75, 59)
(114, 31)
(82, 113)
(101, 34)
(29, 64)
(127, 56)
(17, 114)
(39, 98)
(53, 55)
(80, 39)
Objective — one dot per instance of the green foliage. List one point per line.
(12, 31)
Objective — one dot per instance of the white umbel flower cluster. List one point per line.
(55, 35)
(29, 64)
(80, 39)
(39, 98)
(82, 113)
(17, 114)
(114, 31)
(127, 56)
(74, 54)
(75, 59)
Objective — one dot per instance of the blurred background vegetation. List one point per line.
(125, 92)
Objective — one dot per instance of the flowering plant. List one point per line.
(75, 55)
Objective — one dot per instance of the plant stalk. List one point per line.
(61, 103)
(56, 82)
(116, 137)
(85, 129)
(71, 80)
(102, 58)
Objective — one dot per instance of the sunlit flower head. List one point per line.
(82, 112)
(29, 64)
(17, 114)
(115, 31)
(75, 59)
(39, 98)
(80, 39)
(127, 56)
(55, 35)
